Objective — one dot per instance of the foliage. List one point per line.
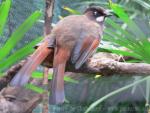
(4, 10)
(19, 54)
(40, 75)
(6, 60)
(18, 34)
(135, 40)
(34, 88)
(93, 105)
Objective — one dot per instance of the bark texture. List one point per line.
(18, 100)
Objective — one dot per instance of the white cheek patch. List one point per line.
(100, 19)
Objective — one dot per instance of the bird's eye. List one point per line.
(95, 13)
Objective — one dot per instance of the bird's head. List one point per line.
(97, 14)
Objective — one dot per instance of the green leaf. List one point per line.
(124, 53)
(139, 46)
(101, 49)
(71, 11)
(133, 61)
(4, 10)
(66, 78)
(19, 54)
(1, 75)
(35, 88)
(121, 40)
(143, 3)
(18, 34)
(71, 80)
(87, 3)
(93, 105)
(124, 16)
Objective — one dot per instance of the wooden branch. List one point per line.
(48, 16)
(18, 100)
(11, 73)
(47, 30)
(108, 64)
(49, 7)
(100, 63)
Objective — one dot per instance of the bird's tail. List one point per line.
(57, 95)
(22, 77)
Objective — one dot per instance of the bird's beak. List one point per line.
(109, 13)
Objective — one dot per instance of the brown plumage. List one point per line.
(75, 38)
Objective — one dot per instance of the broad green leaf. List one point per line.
(124, 16)
(18, 34)
(119, 38)
(35, 88)
(123, 37)
(72, 11)
(60, 17)
(137, 49)
(19, 54)
(4, 10)
(1, 75)
(130, 43)
(143, 3)
(124, 53)
(100, 49)
(88, 2)
(133, 61)
(66, 78)
(119, 29)
(139, 46)
(93, 105)
(71, 80)
(116, 41)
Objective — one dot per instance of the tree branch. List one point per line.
(47, 29)
(101, 63)
(18, 100)
(11, 73)
(108, 64)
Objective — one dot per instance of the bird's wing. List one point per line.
(84, 50)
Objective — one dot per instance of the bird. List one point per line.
(75, 39)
